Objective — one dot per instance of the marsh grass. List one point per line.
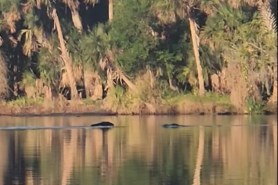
(207, 98)
(255, 107)
(89, 101)
(24, 101)
(125, 102)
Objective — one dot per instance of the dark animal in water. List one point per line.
(103, 124)
(172, 125)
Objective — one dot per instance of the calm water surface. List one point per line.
(216, 150)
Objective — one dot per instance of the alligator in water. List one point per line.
(173, 125)
(103, 125)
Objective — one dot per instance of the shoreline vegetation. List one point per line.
(138, 57)
(180, 105)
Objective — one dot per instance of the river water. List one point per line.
(214, 150)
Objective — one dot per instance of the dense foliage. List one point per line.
(236, 43)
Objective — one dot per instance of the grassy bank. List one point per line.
(126, 104)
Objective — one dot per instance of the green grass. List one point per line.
(89, 101)
(23, 101)
(255, 107)
(207, 98)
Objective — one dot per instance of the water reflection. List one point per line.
(142, 152)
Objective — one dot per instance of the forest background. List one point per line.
(138, 56)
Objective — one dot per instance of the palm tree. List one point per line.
(65, 55)
(270, 23)
(188, 7)
(185, 9)
(35, 32)
(10, 15)
(245, 40)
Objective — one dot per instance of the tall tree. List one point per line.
(188, 7)
(52, 13)
(65, 55)
(36, 32)
(110, 10)
(185, 9)
(243, 41)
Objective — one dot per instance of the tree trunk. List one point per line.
(273, 98)
(127, 81)
(3, 77)
(65, 55)
(200, 154)
(76, 20)
(172, 86)
(195, 43)
(151, 77)
(110, 7)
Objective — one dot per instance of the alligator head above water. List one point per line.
(172, 125)
(103, 125)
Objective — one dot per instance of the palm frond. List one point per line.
(269, 19)
(28, 41)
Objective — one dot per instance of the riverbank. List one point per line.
(91, 110)
(101, 107)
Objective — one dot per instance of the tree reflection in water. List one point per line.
(105, 170)
(141, 153)
(200, 154)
